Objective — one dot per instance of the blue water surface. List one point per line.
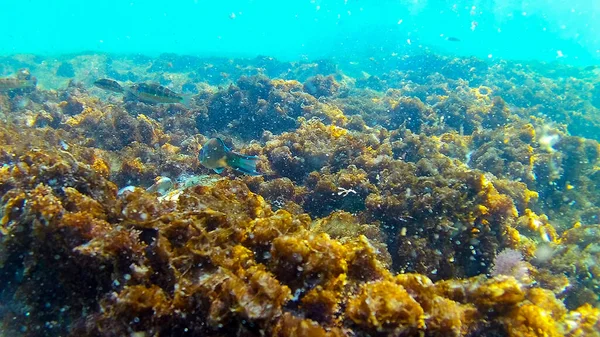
(548, 30)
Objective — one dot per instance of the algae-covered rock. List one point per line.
(431, 196)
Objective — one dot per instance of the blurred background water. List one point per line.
(548, 30)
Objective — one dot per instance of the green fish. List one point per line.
(110, 85)
(144, 92)
(216, 155)
(154, 93)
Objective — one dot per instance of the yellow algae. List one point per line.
(337, 131)
(482, 92)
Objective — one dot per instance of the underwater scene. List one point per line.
(301, 168)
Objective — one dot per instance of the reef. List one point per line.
(403, 202)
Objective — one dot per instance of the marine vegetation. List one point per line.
(418, 201)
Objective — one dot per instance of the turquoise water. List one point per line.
(566, 31)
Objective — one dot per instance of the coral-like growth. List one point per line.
(321, 86)
(386, 306)
(510, 262)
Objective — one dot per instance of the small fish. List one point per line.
(590, 68)
(23, 80)
(9, 83)
(155, 93)
(126, 190)
(110, 85)
(216, 155)
(161, 185)
(144, 92)
(452, 39)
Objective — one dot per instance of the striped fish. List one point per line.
(8, 83)
(155, 93)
